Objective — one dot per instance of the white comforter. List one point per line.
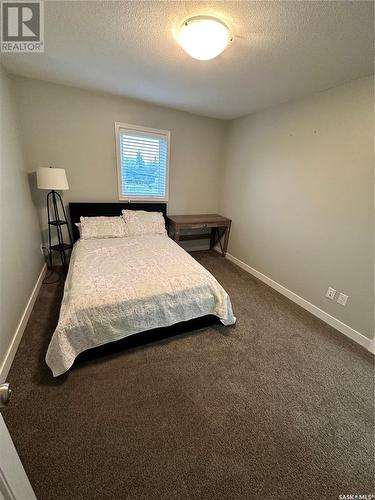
(120, 286)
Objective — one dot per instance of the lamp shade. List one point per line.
(52, 178)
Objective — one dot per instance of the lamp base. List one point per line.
(53, 201)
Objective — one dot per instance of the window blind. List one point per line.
(143, 164)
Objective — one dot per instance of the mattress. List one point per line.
(117, 287)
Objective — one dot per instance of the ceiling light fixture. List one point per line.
(204, 37)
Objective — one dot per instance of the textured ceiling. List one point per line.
(281, 51)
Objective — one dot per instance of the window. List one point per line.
(142, 162)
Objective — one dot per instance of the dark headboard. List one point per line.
(110, 209)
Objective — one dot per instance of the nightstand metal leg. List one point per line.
(213, 237)
(226, 239)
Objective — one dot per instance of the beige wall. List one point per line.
(20, 257)
(298, 184)
(74, 129)
(297, 179)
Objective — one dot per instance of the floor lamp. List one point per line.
(54, 179)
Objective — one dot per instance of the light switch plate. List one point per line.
(342, 299)
(331, 292)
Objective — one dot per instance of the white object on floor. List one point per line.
(120, 286)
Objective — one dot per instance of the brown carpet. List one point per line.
(279, 407)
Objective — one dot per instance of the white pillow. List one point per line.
(102, 227)
(139, 222)
(78, 226)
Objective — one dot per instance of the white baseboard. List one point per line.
(9, 356)
(327, 318)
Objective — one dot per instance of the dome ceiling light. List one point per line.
(204, 37)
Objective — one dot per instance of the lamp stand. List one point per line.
(53, 202)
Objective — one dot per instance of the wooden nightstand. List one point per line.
(219, 225)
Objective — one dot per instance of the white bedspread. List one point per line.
(120, 286)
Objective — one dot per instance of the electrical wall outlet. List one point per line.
(342, 299)
(331, 292)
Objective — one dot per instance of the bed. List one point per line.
(118, 287)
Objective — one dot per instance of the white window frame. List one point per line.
(152, 131)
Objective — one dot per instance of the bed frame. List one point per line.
(84, 209)
(110, 209)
